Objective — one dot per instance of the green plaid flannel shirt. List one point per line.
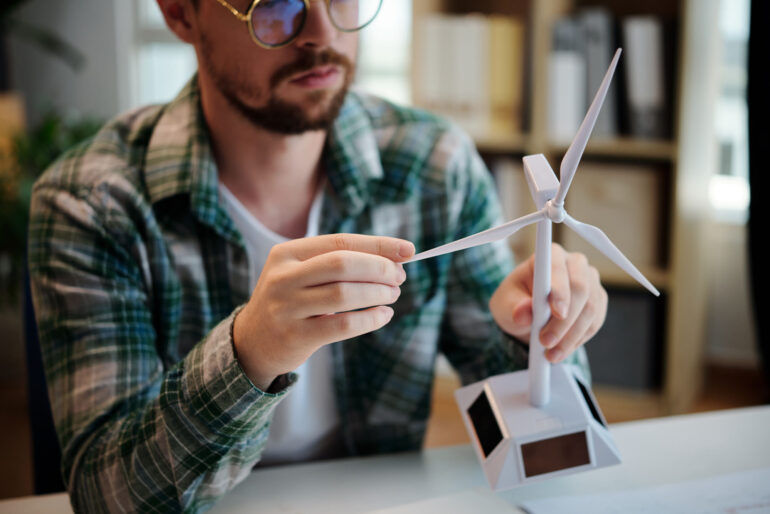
(137, 272)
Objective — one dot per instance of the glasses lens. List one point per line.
(277, 21)
(353, 14)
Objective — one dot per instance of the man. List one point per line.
(189, 331)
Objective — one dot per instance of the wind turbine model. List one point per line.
(523, 433)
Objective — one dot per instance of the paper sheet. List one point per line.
(746, 492)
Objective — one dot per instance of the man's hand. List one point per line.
(309, 294)
(578, 303)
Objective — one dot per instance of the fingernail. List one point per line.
(522, 317)
(388, 313)
(548, 339)
(405, 250)
(401, 275)
(561, 308)
(556, 356)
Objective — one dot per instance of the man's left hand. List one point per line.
(578, 303)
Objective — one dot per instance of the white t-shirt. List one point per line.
(306, 423)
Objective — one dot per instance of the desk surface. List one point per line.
(656, 451)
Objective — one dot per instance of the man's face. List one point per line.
(289, 90)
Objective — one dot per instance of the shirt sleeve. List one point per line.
(470, 338)
(136, 433)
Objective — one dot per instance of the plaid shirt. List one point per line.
(137, 272)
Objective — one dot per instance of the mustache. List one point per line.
(309, 60)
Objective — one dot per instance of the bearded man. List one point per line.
(219, 281)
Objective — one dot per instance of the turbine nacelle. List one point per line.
(543, 186)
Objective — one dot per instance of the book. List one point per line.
(471, 72)
(470, 69)
(428, 70)
(643, 42)
(566, 81)
(599, 42)
(506, 80)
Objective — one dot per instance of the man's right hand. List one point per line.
(309, 294)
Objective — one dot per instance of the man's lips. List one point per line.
(322, 76)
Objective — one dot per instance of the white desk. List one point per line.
(655, 452)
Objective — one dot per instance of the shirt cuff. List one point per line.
(220, 394)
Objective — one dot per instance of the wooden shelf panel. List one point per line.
(622, 148)
(625, 148)
(502, 143)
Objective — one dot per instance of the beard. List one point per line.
(278, 115)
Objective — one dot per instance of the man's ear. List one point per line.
(180, 18)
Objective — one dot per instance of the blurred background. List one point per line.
(666, 174)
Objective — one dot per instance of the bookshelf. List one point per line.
(680, 162)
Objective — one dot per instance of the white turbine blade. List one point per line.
(484, 237)
(601, 242)
(575, 151)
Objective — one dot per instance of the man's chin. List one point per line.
(291, 118)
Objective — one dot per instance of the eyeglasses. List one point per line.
(276, 23)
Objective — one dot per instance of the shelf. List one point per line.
(680, 164)
(626, 148)
(623, 148)
(502, 143)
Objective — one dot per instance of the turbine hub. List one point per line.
(556, 213)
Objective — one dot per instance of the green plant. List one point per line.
(23, 161)
(30, 154)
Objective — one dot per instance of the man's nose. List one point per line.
(319, 31)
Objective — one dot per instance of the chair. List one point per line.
(46, 454)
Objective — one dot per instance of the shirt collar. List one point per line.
(352, 156)
(179, 159)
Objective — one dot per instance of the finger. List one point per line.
(342, 297)
(523, 275)
(591, 332)
(338, 327)
(397, 250)
(581, 282)
(600, 301)
(347, 266)
(560, 295)
(574, 336)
